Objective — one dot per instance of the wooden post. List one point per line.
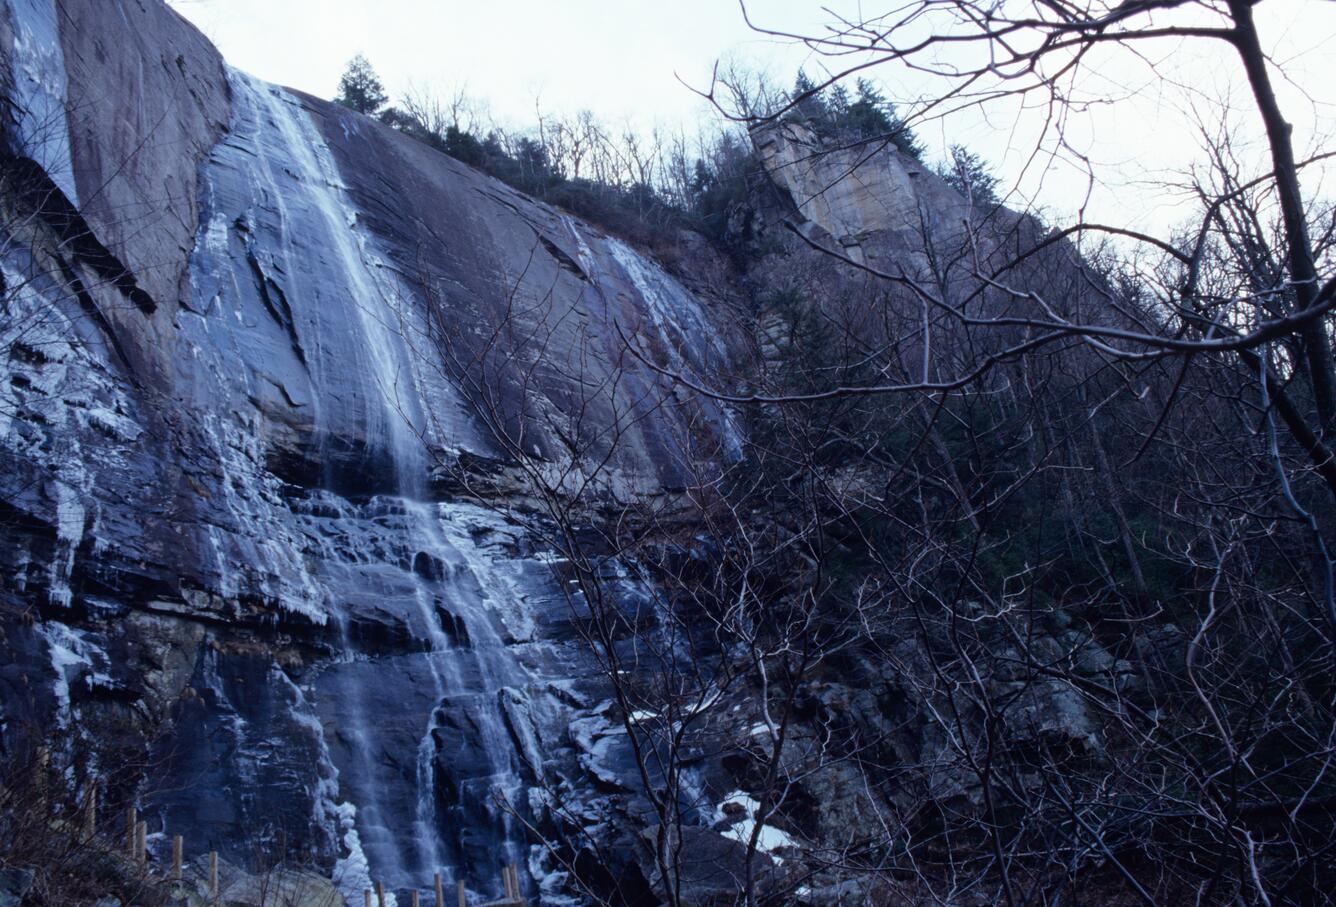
(440, 892)
(380, 894)
(178, 851)
(516, 894)
(213, 873)
(141, 842)
(131, 823)
(463, 896)
(40, 770)
(366, 897)
(413, 898)
(90, 808)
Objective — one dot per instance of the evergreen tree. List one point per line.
(871, 116)
(969, 175)
(837, 102)
(360, 88)
(867, 116)
(463, 145)
(808, 106)
(701, 178)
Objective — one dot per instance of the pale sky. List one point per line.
(616, 57)
(623, 59)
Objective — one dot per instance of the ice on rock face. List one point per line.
(675, 313)
(72, 655)
(352, 872)
(40, 88)
(49, 379)
(289, 292)
(586, 255)
(287, 286)
(69, 532)
(455, 701)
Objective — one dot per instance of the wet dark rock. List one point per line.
(14, 885)
(713, 864)
(244, 560)
(454, 626)
(428, 567)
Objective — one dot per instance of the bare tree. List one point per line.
(1110, 490)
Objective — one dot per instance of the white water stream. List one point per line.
(277, 197)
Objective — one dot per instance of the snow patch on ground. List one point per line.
(770, 838)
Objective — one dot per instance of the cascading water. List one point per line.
(441, 704)
(315, 303)
(227, 523)
(455, 592)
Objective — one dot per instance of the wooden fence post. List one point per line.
(515, 883)
(463, 896)
(41, 770)
(213, 873)
(141, 842)
(131, 823)
(366, 897)
(440, 892)
(380, 894)
(413, 898)
(90, 808)
(178, 852)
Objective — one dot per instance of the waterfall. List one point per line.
(289, 286)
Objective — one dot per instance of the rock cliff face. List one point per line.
(853, 192)
(240, 329)
(250, 341)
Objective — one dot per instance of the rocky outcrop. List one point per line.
(249, 335)
(849, 194)
(270, 570)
